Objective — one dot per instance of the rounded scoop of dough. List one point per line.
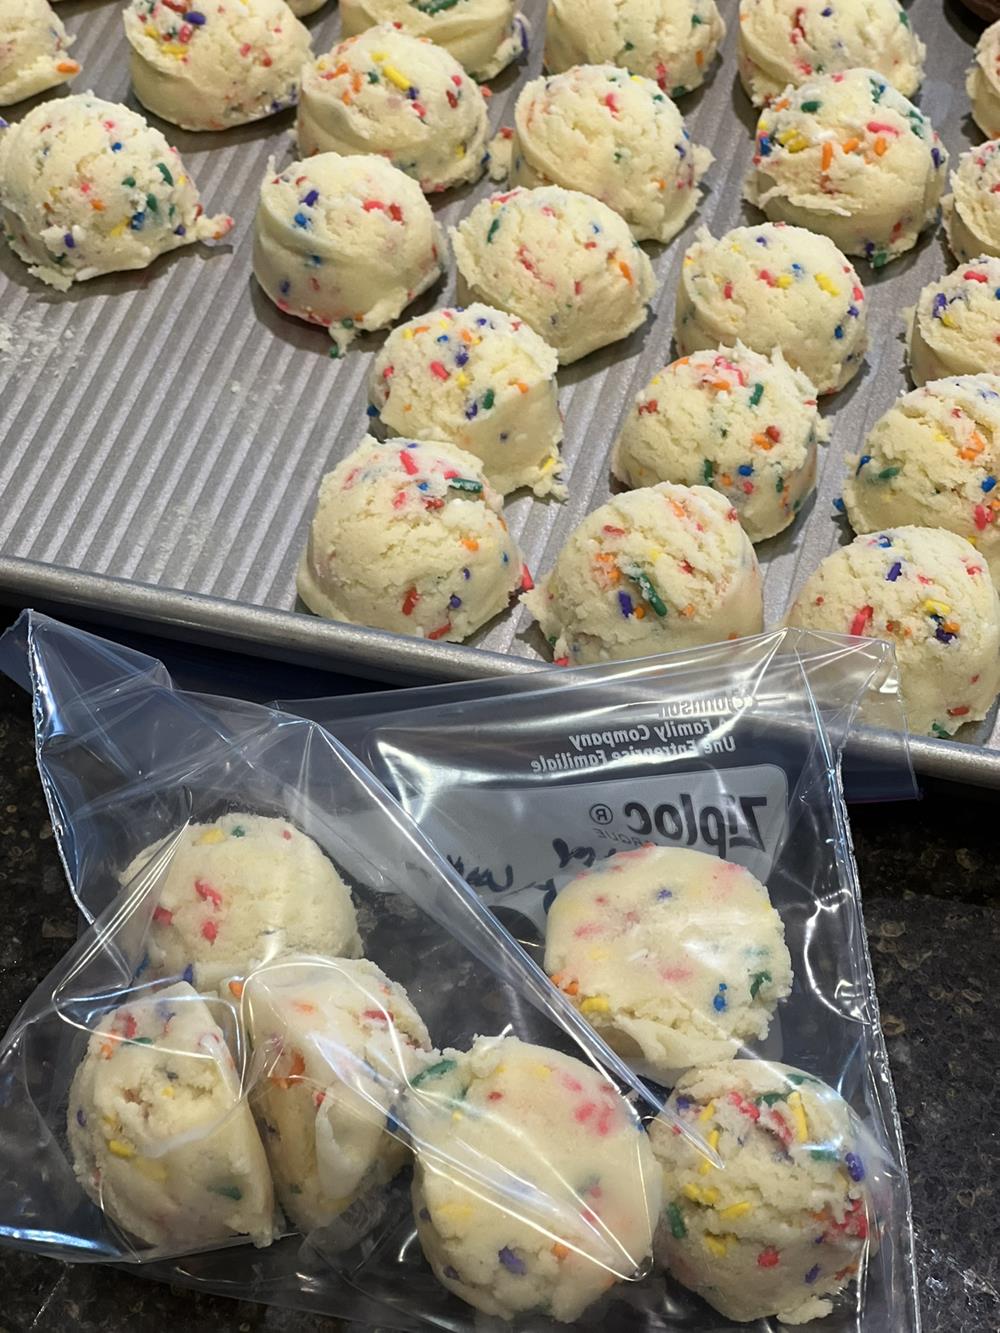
(564, 263)
(89, 188)
(784, 42)
(671, 41)
(972, 210)
(399, 96)
(674, 956)
(208, 69)
(482, 380)
(410, 537)
(775, 286)
(33, 46)
(346, 242)
(982, 82)
(238, 892)
(954, 329)
(929, 593)
(654, 570)
(160, 1137)
(484, 36)
(613, 135)
(534, 1184)
(787, 1222)
(848, 156)
(747, 425)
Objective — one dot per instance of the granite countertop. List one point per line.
(928, 872)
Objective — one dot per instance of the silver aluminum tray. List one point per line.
(162, 434)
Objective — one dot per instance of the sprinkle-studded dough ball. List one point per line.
(484, 36)
(399, 96)
(972, 210)
(652, 571)
(954, 329)
(786, 1222)
(982, 82)
(771, 287)
(564, 263)
(534, 1186)
(674, 956)
(929, 593)
(671, 41)
(33, 46)
(747, 425)
(848, 156)
(784, 42)
(160, 1138)
(410, 537)
(88, 188)
(238, 892)
(335, 1041)
(482, 380)
(346, 242)
(208, 69)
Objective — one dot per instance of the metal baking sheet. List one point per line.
(163, 433)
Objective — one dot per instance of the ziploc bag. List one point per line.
(621, 821)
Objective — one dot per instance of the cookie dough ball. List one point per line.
(300, 8)
(160, 1138)
(239, 891)
(784, 42)
(848, 156)
(481, 380)
(934, 460)
(32, 50)
(671, 41)
(674, 956)
(410, 537)
(616, 136)
(564, 263)
(747, 425)
(484, 36)
(399, 96)
(775, 287)
(784, 1225)
(652, 571)
(982, 82)
(335, 1041)
(929, 593)
(534, 1186)
(954, 329)
(232, 62)
(88, 188)
(346, 242)
(972, 210)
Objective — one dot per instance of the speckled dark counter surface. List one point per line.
(932, 901)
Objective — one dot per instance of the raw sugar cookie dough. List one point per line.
(482, 380)
(345, 242)
(848, 156)
(982, 82)
(747, 425)
(399, 96)
(929, 593)
(233, 62)
(563, 262)
(72, 154)
(567, 1191)
(654, 570)
(335, 1041)
(613, 135)
(774, 286)
(674, 42)
(674, 956)
(159, 1136)
(484, 36)
(934, 460)
(787, 1222)
(33, 46)
(784, 42)
(954, 329)
(236, 893)
(410, 537)
(972, 211)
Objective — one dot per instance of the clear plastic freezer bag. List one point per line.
(668, 839)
